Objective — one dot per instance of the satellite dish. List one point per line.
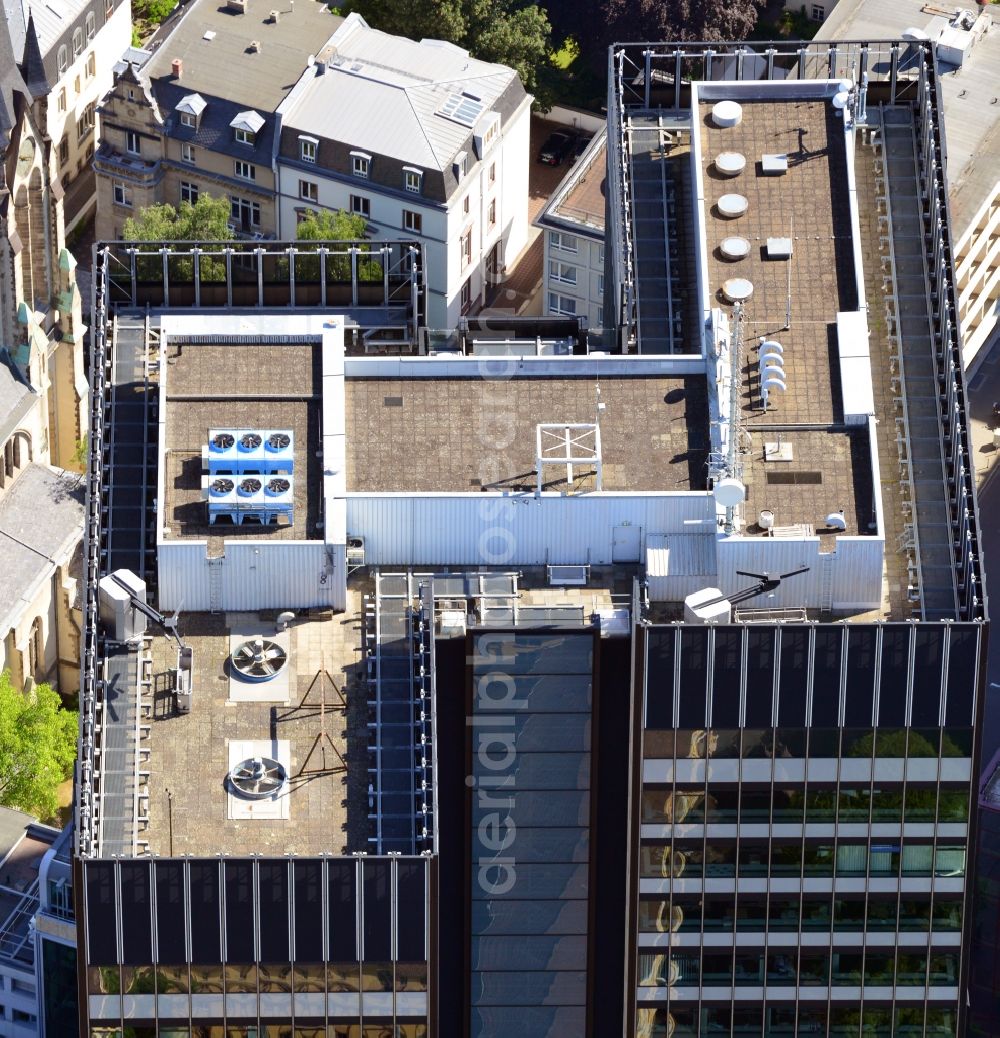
(729, 492)
(840, 99)
(836, 521)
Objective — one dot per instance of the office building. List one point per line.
(467, 683)
(803, 817)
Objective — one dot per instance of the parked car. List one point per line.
(580, 147)
(556, 149)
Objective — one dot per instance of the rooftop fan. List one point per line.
(223, 441)
(278, 441)
(250, 441)
(222, 486)
(250, 486)
(278, 486)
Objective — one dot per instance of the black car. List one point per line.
(556, 149)
(580, 146)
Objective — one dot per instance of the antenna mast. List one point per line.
(734, 466)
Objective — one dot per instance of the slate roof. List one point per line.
(16, 400)
(41, 520)
(224, 65)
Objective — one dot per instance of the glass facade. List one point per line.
(258, 947)
(532, 698)
(802, 828)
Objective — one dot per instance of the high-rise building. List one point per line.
(481, 683)
(806, 729)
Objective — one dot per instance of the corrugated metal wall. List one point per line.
(251, 575)
(855, 574)
(487, 530)
(679, 565)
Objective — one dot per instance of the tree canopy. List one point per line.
(334, 225)
(678, 20)
(206, 220)
(37, 748)
(505, 31)
(331, 225)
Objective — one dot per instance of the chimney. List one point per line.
(176, 68)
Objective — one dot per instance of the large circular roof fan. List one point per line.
(250, 441)
(278, 486)
(250, 486)
(257, 778)
(222, 485)
(223, 441)
(278, 441)
(258, 659)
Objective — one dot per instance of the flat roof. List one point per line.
(830, 468)
(579, 198)
(441, 434)
(239, 385)
(972, 121)
(225, 66)
(189, 754)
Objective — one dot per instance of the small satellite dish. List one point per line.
(836, 521)
(840, 99)
(729, 492)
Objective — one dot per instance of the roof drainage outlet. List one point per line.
(258, 659)
(258, 778)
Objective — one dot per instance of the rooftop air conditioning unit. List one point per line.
(279, 497)
(255, 46)
(250, 452)
(237, 6)
(220, 454)
(279, 451)
(275, 16)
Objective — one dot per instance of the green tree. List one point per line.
(37, 747)
(331, 225)
(506, 31)
(334, 225)
(206, 220)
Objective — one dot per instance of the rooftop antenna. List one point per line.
(788, 304)
(733, 465)
(764, 585)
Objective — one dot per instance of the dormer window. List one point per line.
(77, 42)
(190, 110)
(413, 179)
(461, 165)
(63, 59)
(308, 147)
(246, 126)
(486, 133)
(361, 164)
(91, 25)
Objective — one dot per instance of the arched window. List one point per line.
(91, 25)
(63, 59)
(77, 42)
